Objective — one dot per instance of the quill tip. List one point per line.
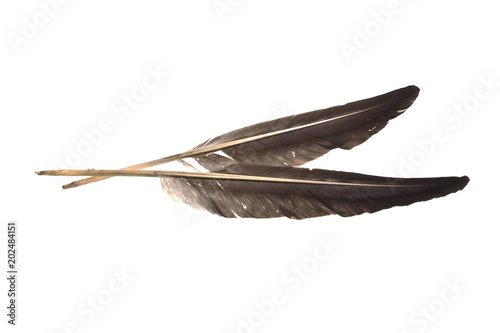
(70, 185)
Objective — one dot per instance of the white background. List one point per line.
(194, 272)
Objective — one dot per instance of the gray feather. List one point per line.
(295, 140)
(344, 193)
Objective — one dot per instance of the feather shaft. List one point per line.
(201, 175)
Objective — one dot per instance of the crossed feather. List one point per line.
(258, 177)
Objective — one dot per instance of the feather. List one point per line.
(257, 177)
(259, 191)
(294, 140)
(314, 193)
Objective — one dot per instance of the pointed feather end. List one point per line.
(408, 95)
(449, 185)
(461, 183)
(445, 186)
(432, 188)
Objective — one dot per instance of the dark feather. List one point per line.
(312, 193)
(295, 140)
